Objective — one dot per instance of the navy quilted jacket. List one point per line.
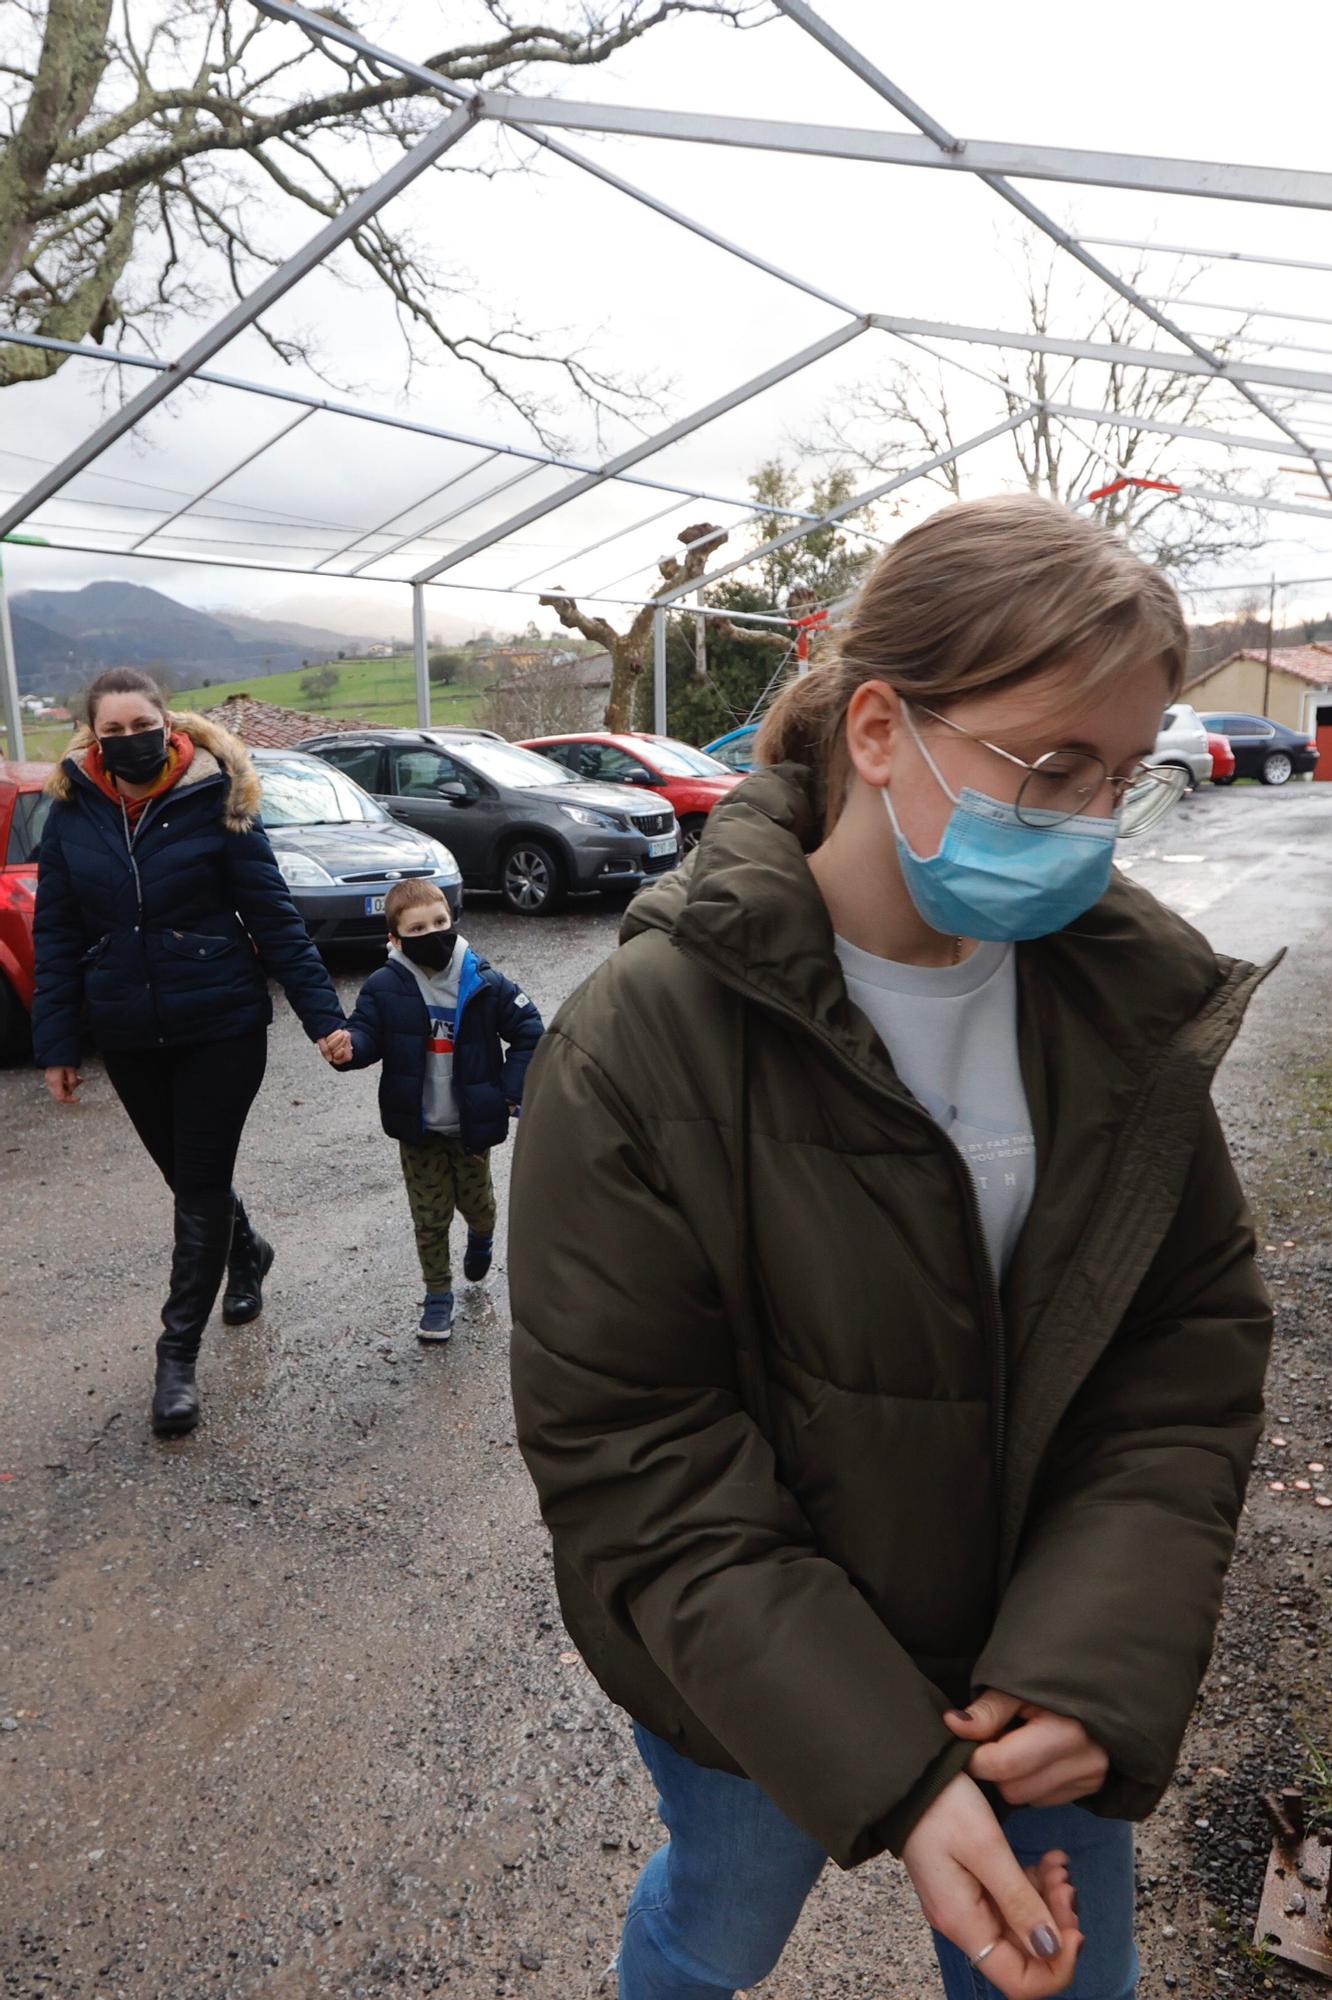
(167, 941)
(391, 1025)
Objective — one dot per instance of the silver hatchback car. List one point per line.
(1183, 743)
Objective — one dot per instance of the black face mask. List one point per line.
(138, 759)
(432, 950)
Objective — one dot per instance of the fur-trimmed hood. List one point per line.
(217, 752)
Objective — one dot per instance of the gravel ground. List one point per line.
(287, 1708)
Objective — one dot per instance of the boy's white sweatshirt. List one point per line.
(439, 990)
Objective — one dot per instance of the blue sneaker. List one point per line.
(437, 1317)
(480, 1250)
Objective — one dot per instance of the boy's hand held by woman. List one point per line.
(1021, 1923)
(1047, 1760)
(336, 1048)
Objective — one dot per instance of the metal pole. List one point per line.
(1195, 177)
(659, 671)
(700, 642)
(1211, 256)
(86, 351)
(245, 312)
(160, 527)
(1267, 664)
(9, 677)
(1117, 353)
(683, 427)
(858, 500)
(423, 715)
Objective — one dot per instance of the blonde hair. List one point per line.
(980, 596)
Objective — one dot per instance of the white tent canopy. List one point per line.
(450, 505)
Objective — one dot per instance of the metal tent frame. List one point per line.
(539, 119)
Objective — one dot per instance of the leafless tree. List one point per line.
(628, 650)
(548, 700)
(150, 145)
(908, 413)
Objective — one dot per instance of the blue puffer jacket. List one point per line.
(391, 1025)
(167, 941)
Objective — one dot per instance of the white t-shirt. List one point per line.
(439, 990)
(951, 1031)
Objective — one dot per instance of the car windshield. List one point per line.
(506, 764)
(307, 793)
(681, 760)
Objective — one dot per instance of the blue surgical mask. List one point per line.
(996, 877)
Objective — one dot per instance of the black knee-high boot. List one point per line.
(249, 1264)
(203, 1238)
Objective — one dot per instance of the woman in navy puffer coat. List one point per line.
(160, 911)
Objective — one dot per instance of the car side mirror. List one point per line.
(456, 793)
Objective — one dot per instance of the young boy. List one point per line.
(436, 1016)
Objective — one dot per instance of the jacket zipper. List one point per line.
(987, 1287)
(131, 835)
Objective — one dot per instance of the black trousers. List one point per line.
(189, 1106)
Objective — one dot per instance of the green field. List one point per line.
(382, 691)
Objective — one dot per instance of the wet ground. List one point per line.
(286, 1708)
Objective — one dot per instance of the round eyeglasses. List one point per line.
(1064, 783)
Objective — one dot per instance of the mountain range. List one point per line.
(63, 637)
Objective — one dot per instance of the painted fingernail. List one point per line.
(962, 1714)
(1044, 1942)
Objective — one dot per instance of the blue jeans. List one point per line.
(713, 1908)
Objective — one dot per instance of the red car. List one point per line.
(1223, 758)
(691, 780)
(23, 809)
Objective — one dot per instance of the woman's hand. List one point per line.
(336, 1048)
(973, 1889)
(1050, 1760)
(63, 1080)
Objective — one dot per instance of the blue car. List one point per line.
(736, 748)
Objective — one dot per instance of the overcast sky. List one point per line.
(555, 252)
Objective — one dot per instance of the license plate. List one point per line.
(374, 906)
(656, 848)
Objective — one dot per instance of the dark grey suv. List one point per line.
(515, 822)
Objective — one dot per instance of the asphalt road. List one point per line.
(286, 1707)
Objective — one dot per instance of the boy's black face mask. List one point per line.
(432, 950)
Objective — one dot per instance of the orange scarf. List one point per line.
(180, 755)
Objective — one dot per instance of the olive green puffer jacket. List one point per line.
(809, 1477)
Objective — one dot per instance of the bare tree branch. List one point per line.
(907, 413)
(141, 139)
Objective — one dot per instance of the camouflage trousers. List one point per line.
(442, 1176)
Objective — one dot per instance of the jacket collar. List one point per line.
(218, 756)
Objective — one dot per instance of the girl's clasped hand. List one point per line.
(1019, 1924)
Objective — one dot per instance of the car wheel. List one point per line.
(530, 879)
(1277, 769)
(15, 1028)
(691, 832)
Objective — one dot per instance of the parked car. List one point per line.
(1182, 742)
(736, 749)
(1223, 758)
(1263, 749)
(690, 781)
(517, 822)
(23, 809)
(339, 851)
